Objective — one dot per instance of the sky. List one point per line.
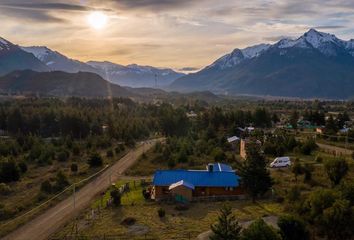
(181, 34)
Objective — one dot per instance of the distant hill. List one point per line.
(316, 65)
(60, 84)
(12, 57)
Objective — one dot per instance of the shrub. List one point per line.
(46, 187)
(116, 196)
(161, 212)
(76, 150)
(5, 189)
(74, 168)
(61, 181)
(110, 153)
(297, 168)
(259, 230)
(9, 171)
(23, 167)
(95, 160)
(336, 169)
(318, 159)
(293, 228)
(63, 156)
(294, 194)
(308, 169)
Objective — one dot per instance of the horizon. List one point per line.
(160, 33)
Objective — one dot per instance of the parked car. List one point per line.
(281, 162)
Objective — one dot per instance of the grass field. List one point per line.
(199, 216)
(26, 194)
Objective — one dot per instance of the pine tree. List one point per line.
(254, 175)
(227, 227)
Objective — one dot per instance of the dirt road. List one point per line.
(52, 219)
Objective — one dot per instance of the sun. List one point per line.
(97, 20)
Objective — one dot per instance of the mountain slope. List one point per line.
(13, 58)
(131, 75)
(314, 65)
(135, 75)
(57, 83)
(58, 62)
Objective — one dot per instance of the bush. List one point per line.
(95, 160)
(308, 169)
(292, 228)
(318, 159)
(5, 189)
(74, 168)
(9, 171)
(61, 181)
(23, 167)
(116, 196)
(161, 212)
(336, 169)
(76, 150)
(110, 153)
(63, 156)
(259, 230)
(46, 187)
(294, 194)
(308, 146)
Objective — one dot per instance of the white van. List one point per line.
(281, 162)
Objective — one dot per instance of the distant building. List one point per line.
(320, 130)
(233, 139)
(191, 114)
(185, 185)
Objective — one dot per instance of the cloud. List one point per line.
(20, 15)
(152, 4)
(330, 27)
(46, 6)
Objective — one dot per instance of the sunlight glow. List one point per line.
(97, 20)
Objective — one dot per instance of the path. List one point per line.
(43, 226)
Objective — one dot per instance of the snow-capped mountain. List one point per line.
(239, 55)
(5, 45)
(57, 61)
(131, 75)
(12, 57)
(314, 65)
(134, 75)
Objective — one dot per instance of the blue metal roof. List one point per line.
(221, 167)
(202, 178)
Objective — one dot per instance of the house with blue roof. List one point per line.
(216, 180)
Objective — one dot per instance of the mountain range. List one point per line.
(41, 58)
(315, 65)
